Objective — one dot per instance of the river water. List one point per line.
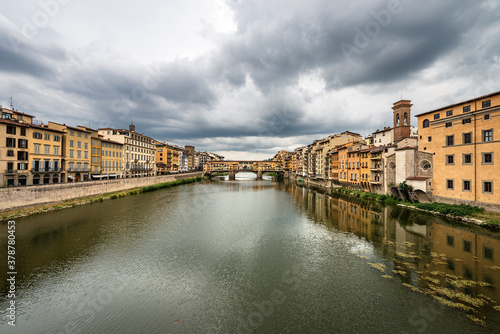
(249, 256)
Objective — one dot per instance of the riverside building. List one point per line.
(139, 151)
(464, 138)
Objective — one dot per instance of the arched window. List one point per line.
(397, 119)
(405, 119)
(426, 123)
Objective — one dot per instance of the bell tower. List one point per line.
(402, 113)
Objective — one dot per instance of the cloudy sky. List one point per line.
(244, 78)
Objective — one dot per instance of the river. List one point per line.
(249, 256)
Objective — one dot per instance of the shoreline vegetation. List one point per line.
(34, 210)
(465, 213)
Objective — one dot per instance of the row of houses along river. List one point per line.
(250, 256)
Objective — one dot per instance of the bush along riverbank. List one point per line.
(466, 213)
(9, 215)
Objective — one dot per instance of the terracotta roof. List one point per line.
(459, 103)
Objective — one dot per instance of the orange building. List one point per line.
(465, 140)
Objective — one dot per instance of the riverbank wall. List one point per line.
(26, 196)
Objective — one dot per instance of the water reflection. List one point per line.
(456, 265)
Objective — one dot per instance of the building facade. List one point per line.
(465, 140)
(14, 153)
(139, 151)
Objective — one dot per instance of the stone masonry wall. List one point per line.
(16, 197)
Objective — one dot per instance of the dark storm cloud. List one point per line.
(22, 55)
(358, 43)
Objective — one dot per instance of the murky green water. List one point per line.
(249, 257)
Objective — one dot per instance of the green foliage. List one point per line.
(450, 209)
(405, 187)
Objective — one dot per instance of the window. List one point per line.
(488, 252)
(22, 155)
(486, 117)
(79, 134)
(56, 150)
(429, 138)
(10, 142)
(71, 133)
(10, 153)
(93, 150)
(23, 131)
(450, 240)
(11, 130)
(425, 124)
(57, 138)
(486, 104)
(449, 124)
(37, 135)
(467, 138)
(22, 166)
(71, 143)
(86, 155)
(71, 153)
(488, 187)
(449, 184)
(86, 146)
(450, 140)
(488, 135)
(466, 185)
(467, 159)
(86, 135)
(487, 158)
(466, 121)
(37, 148)
(450, 159)
(437, 116)
(22, 143)
(78, 154)
(79, 144)
(46, 149)
(466, 108)
(6, 115)
(46, 136)
(449, 113)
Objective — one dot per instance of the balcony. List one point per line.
(46, 170)
(10, 172)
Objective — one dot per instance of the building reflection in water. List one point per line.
(457, 265)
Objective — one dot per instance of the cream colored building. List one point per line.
(139, 151)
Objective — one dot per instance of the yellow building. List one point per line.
(95, 153)
(167, 159)
(46, 155)
(111, 159)
(465, 140)
(364, 170)
(76, 147)
(14, 139)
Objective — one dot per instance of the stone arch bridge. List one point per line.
(242, 166)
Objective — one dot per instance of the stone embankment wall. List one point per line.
(17, 197)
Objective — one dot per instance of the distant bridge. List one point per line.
(243, 166)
